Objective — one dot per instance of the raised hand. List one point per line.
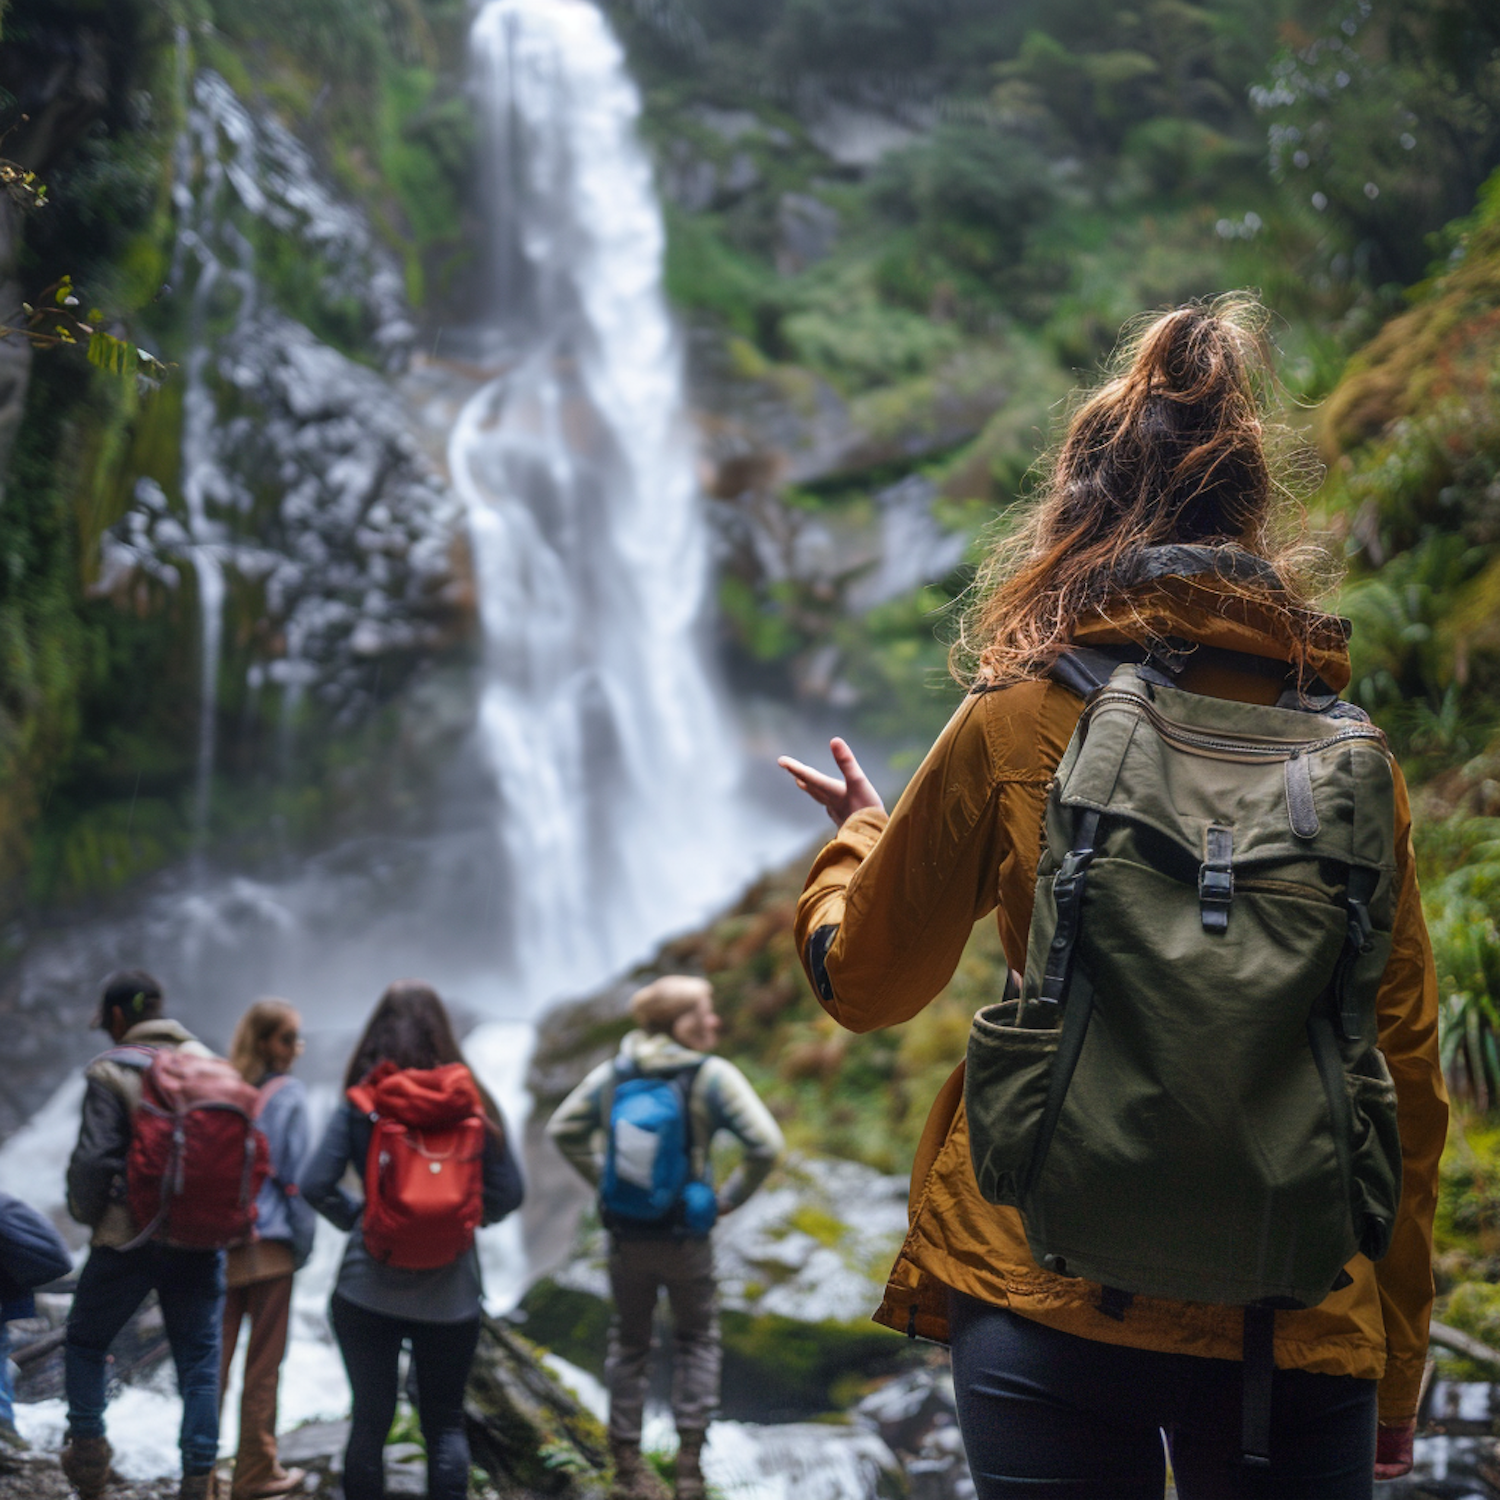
(842, 798)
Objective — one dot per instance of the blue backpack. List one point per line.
(651, 1181)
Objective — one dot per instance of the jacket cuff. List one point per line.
(863, 829)
(1400, 1389)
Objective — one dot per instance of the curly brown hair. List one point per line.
(1171, 449)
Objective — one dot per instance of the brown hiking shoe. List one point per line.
(198, 1486)
(635, 1479)
(85, 1462)
(690, 1466)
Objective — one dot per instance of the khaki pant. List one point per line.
(638, 1270)
(268, 1304)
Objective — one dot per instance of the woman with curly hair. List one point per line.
(1153, 541)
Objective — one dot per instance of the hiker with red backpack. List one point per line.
(266, 1043)
(639, 1128)
(166, 1171)
(432, 1152)
(1184, 1183)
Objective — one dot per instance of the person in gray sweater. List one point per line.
(678, 1031)
(376, 1306)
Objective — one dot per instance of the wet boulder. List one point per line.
(529, 1435)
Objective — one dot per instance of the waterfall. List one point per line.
(616, 766)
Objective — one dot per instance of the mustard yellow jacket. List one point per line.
(964, 840)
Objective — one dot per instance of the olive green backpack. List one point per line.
(1186, 1099)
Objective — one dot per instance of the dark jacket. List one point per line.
(32, 1253)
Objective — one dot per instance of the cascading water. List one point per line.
(621, 817)
(616, 766)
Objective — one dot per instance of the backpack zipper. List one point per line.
(1243, 748)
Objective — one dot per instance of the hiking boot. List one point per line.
(282, 1482)
(12, 1439)
(85, 1462)
(690, 1466)
(635, 1479)
(198, 1486)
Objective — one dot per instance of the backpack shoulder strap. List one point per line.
(686, 1081)
(621, 1069)
(1085, 669)
(132, 1055)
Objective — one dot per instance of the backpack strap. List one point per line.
(1257, 1368)
(687, 1081)
(621, 1070)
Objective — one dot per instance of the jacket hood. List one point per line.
(160, 1032)
(424, 1098)
(657, 1052)
(1204, 610)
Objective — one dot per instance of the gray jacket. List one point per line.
(722, 1099)
(96, 1170)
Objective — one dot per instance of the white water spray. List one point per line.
(616, 767)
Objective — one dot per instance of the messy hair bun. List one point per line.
(1171, 449)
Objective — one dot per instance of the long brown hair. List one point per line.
(410, 1027)
(1171, 449)
(247, 1052)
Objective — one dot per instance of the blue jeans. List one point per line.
(190, 1287)
(7, 1385)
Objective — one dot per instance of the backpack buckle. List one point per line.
(1216, 878)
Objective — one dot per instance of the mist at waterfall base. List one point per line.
(615, 811)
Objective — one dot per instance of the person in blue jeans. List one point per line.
(32, 1253)
(116, 1279)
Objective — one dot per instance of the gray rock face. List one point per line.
(321, 508)
(807, 230)
(305, 501)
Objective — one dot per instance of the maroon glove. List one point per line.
(1393, 1450)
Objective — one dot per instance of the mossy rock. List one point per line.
(530, 1436)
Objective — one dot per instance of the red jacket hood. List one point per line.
(421, 1097)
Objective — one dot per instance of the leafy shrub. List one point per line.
(1461, 912)
(970, 190)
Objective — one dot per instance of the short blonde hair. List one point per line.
(659, 1005)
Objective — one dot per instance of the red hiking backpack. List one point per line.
(424, 1174)
(197, 1158)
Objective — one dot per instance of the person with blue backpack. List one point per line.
(639, 1128)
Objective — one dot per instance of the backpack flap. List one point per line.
(649, 1162)
(1212, 1123)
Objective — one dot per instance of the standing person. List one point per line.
(32, 1253)
(267, 1041)
(407, 1080)
(1152, 542)
(121, 1270)
(678, 1031)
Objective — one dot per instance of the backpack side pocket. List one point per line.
(1010, 1062)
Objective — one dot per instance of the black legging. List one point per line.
(1046, 1413)
(441, 1355)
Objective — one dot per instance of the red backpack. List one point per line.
(424, 1175)
(197, 1158)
